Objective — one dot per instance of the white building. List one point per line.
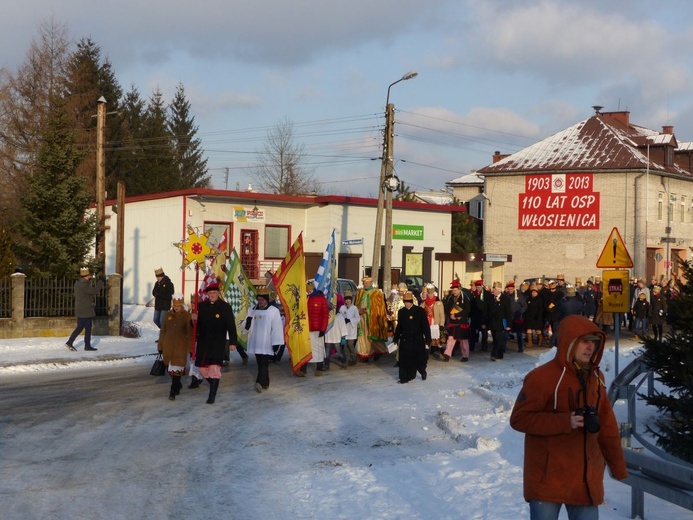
(262, 227)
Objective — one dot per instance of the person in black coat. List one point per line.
(478, 315)
(534, 316)
(569, 305)
(215, 323)
(500, 319)
(457, 306)
(413, 336)
(163, 293)
(658, 312)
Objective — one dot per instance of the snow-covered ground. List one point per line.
(353, 444)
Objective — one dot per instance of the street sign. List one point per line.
(352, 242)
(615, 291)
(614, 254)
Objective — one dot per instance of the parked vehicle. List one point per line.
(343, 285)
(415, 284)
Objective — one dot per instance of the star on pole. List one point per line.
(196, 248)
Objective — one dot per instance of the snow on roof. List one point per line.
(434, 197)
(597, 143)
(473, 179)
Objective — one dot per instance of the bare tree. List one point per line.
(281, 164)
(25, 103)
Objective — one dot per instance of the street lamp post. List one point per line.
(387, 184)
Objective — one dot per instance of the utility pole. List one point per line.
(101, 181)
(226, 178)
(390, 185)
(384, 182)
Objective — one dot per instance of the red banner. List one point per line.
(559, 201)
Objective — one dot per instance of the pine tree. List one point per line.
(8, 263)
(55, 237)
(157, 160)
(188, 157)
(465, 232)
(672, 361)
(131, 148)
(89, 79)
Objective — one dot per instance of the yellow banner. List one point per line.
(290, 283)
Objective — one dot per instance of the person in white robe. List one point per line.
(265, 331)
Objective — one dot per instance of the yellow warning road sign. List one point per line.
(615, 255)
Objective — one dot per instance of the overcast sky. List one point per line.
(493, 74)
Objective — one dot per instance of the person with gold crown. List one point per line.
(175, 342)
(373, 323)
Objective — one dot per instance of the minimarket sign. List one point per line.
(404, 232)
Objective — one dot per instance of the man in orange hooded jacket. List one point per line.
(569, 426)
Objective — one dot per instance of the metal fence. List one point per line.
(5, 297)
(54, 297)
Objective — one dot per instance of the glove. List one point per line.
(248, 321)
(321, 333)
(347, 320)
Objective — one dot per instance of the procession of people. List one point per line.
(367, 326)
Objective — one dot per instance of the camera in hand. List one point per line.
(591, 423)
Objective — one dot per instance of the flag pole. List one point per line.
(195, 300)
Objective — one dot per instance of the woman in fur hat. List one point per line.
(175, 342)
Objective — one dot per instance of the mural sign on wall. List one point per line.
(559, 201)
(241, 214)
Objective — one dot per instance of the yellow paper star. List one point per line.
(196, 248)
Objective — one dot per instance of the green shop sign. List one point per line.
(401, 232)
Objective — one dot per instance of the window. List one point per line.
(660, 206)
(276, 241)
(672, 200)
(683, 208)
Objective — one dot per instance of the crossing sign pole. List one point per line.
(615, 256)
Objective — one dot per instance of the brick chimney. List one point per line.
(497, 156)
(668, 129)
(622, 117)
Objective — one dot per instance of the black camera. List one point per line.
(591, 423)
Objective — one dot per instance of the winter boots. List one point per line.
(530, 338)
(194, 382)
(213, 387)
(176, 385)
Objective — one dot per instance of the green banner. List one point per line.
(402, 232)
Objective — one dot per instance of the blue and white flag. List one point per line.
(326, 279)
